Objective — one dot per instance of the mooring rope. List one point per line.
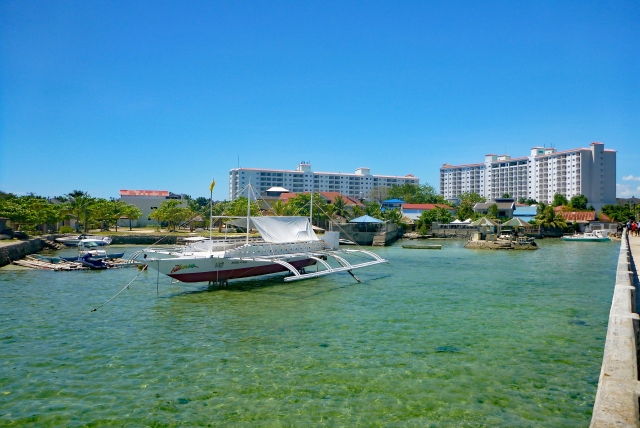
(125, 287)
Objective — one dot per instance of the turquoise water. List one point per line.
(456, 337)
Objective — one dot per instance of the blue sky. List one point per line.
(103, 96)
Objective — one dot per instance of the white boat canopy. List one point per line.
(279, 230)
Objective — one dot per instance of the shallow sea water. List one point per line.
(450, 338)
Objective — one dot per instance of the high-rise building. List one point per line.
(357, 185)
(545, 172)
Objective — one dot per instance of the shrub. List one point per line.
(66, 229)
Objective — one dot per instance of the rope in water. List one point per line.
(116, 295)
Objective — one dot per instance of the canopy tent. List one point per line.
(366, 219)
(484, 221)
(456, 221)
(516, 222)
(284, 229)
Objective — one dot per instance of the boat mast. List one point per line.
(311, 210)
(213, 183)
(248, 211)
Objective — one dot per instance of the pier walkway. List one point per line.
(617, 399)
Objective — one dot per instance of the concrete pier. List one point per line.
(616, 403)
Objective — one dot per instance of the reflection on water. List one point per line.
(435, 338)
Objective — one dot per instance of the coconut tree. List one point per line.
(340, 207)
(550, 219)
(78, 205)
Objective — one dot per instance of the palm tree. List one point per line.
(550, 219)
(340, 207)
(77, 205)
(279, 208)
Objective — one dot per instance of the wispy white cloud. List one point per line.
(627, 190)
(631, 178)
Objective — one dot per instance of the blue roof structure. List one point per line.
(393, 201)
(366, 219)
(531, 210)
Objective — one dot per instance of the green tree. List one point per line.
(506, 195)
(238, 208)
(438, 214)
(492, 212)
(465, 211)
(78, 203)
(373, 209)
(559, 199)
(132, 213)
(579, 202)
(393, 215)
(279, 208)
(471, 197)
(549, 218)
(356, 212)
(172, 212)
(340, 207)
(416, 194)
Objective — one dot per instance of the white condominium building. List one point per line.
(545, 172)
(357, 185)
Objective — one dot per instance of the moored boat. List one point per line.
(287, 244)
(71, 241)
(595, 236)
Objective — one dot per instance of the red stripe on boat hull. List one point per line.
(224, 275)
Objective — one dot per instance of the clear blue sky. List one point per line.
(109, 95)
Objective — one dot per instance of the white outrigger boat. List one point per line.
(287, 244)
(595, 236)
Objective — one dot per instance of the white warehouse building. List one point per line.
(545, 172)
(303, 179)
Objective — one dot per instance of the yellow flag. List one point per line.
(213, 183)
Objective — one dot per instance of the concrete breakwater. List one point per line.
(143, 239)
(616, 403)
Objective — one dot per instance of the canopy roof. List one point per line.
(516, 222)
(484, 221)
(284, 229)
(366, 219)
(277, 189)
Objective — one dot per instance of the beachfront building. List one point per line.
(358, 185)
(414, 211)
(545, 172)
(506, 207)
(147, 201)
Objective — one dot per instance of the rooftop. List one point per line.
(144, 193)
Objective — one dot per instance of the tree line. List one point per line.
(28, 212)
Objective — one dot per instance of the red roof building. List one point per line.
(144, 193)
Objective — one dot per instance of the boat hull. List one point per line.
(587, 239)
(213, 269)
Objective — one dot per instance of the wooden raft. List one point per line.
(33, 263)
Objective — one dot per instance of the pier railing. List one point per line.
(616, 403)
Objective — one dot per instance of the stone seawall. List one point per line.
(19, 249)
(616, 403)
